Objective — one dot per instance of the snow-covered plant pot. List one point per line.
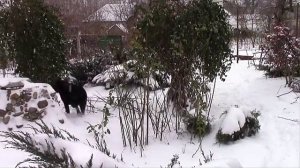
(238, 124)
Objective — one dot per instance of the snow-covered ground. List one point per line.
(276, 144)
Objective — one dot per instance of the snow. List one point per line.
(275, 145)
(223, 163)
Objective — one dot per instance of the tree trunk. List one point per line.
(177, 92)
(4, 72)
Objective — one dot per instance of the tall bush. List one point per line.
(38, 40)
(190, 41)
(6, 42)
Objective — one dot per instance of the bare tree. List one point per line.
(274, 11)
(281, 7)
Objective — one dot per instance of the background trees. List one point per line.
(281, 43)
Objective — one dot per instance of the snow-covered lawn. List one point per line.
(276, 144)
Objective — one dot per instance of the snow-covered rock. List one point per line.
(31, 101)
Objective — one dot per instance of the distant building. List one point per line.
(109, 24)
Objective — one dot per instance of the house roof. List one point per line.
(120, 26)
(112, 12)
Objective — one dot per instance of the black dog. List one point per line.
(72, 94)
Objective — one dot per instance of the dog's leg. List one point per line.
(67, 107)
(82, 107)
(77, 109)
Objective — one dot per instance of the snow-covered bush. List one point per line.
(53, 147)
(237, 124)
(127, 74)
(283, 53)
(86, 69)
(115, 75)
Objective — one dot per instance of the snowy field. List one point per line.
(276, 144)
